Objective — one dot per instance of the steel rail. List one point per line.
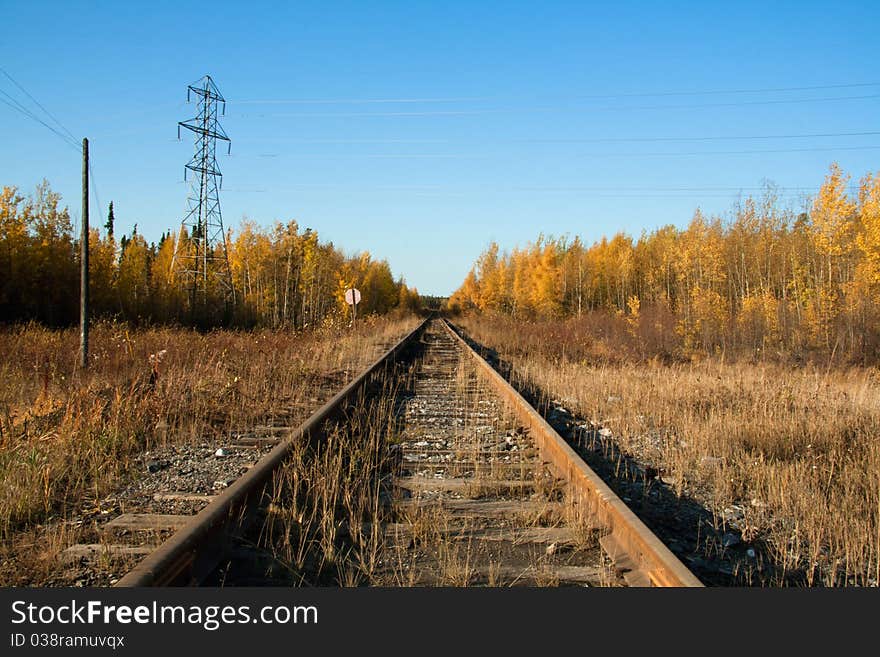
(641, 548)
(191, 552)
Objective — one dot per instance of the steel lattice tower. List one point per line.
(200, 252)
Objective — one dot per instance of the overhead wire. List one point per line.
(17, 106)
(93, 185)
(38, 104)
(598, 191)
(67, 137)
(478, 156)
(548, 108)
(714, 92)
(572, 140)
(599, 140)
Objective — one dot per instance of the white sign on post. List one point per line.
(353, 298)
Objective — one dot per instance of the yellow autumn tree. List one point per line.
(833, 226)
(545, 290)
(868, 236)
(134, 278)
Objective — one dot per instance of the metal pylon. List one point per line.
(200, 253)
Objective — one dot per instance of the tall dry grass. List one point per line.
(796, 450)
(324, 522)
(67, 435)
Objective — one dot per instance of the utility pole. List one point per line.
(84, 262)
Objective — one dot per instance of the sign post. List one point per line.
(353, 298)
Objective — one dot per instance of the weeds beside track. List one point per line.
(71, 441)
(756, 473)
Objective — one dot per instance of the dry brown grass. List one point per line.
(325, 520)
(68, 435)
(798, 449)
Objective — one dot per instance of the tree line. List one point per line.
(280, 276)
(765, 280)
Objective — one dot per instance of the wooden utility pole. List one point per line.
(84, 263)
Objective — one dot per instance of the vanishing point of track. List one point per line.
(473, 457)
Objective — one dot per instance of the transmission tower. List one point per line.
(200, 252)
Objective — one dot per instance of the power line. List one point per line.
(14, 104)
(592, 194)
(718, 92)
(357, 101)
(93, 184)
(712, 138)
(23, 110)
(68, 137)
(747, 152)
(37, 103)
(573, 140)
(781, 191)
(391, 101)
(476, 156)
(548, 108)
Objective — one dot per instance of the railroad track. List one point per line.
(469, 499)
(473, 487)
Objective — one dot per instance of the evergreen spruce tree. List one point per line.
(110, 219)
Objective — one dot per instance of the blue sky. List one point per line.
(421, 131)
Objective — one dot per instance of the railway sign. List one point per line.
(352, 296)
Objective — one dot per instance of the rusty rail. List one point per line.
(193, 551)
(647, 560)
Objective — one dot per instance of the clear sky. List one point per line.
(421, 131)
